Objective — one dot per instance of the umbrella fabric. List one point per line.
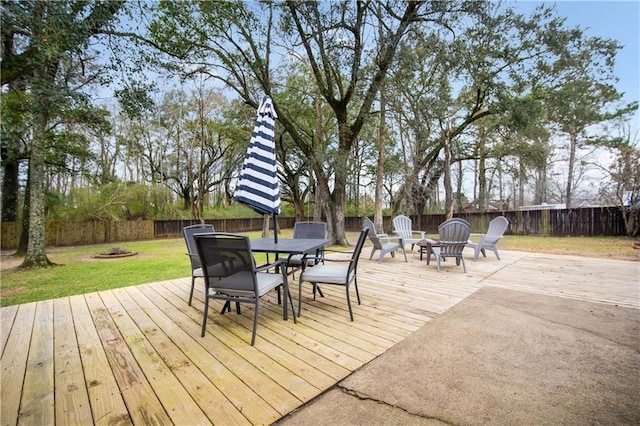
(258, 185)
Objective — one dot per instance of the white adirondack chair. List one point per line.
(402, 226)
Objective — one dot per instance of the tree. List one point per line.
(332, 36)
(46, 40)
(623, 186)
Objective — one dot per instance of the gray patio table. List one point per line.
(302, 246)
(288, 245)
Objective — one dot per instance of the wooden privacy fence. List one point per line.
(82, 233)
(585, 222)
(596, 221)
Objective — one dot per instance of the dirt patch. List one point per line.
(9, 262)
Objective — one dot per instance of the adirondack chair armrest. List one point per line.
(389, 238)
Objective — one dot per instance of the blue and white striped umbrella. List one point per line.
(258, 185)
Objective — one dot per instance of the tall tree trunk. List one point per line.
(459, 200)
(339, 193)
(320, 196)
(521, 181)
(36, 256)
(448, 190)
(572, 159)
(377, 204)
(482, 171)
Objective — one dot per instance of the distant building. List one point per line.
(544, 206)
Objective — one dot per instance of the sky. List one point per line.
(618, 20)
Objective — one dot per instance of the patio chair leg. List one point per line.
(299, 298)
(293, 309)
(204, 316)
(349, 303)
(255, 322)
(193, 283)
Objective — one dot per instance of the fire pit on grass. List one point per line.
(114, 253)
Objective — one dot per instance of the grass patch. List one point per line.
(159, 260)
(79, 272)
(610, 247)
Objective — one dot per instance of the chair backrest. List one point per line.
(353, 266)
(454, 235)
(497, 228)
(188, 232)
(310, 230)
(402, 226)
(227, 254)
(368, 224)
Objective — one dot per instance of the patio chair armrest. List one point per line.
(338, 251)
(278, 263)
(322, 259)
(336, 260)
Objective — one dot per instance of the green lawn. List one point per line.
(158, 260)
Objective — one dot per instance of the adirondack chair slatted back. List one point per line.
(454, 235)
(402, 227)
(497, 228)
(382, 242)
(373, 235)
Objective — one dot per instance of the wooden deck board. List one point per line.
(37, 406)
(135, 356)
(14, 363)
(71, 395)
(107, 405)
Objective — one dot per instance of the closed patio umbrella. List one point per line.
(258, 185)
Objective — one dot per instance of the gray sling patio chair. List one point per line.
(315, 230)
(196, 267)
(497, 228)
(382, 242)
(341, 275)
(453, 237)
(240, 281)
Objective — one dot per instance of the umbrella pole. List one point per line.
(275, 228)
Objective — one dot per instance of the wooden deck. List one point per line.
(135, 355)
